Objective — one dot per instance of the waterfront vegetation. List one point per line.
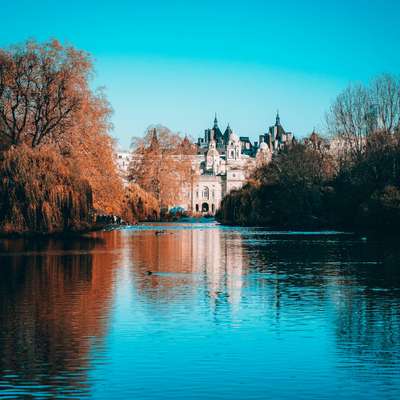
(351, 181)
(57, 164)
(58, 172)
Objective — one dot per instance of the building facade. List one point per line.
(225, 161)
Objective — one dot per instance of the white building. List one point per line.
(225, 161)
(123, 159)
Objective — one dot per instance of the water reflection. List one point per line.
(188, 258)
(54, 298)
(204, 311)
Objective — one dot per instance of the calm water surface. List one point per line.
(226, 313)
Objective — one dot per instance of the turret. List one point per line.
(215, 121)
(233, 151)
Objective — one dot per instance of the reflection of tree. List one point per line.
(368, 308)
(353, 282)
(54, 298)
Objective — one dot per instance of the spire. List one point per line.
(227, 133)
(278, 120)
(215, 121)
(154, 139)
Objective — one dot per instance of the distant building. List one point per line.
(123, 159)
(224, 162)
(276, 137)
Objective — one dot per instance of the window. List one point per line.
(204, 208)
(206, 193)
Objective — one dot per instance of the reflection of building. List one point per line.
(209, 257)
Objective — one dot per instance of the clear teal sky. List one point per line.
(177, 62)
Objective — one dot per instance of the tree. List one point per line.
(90, 150)
(41, 89)
(351, 118)
(360, 111)
(47, 105)
(385, 94)
(162, 165)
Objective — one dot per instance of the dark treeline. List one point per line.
(351, 181)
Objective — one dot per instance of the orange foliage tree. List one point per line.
(162, 164)
(46, 102)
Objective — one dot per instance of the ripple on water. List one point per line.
(200, 311)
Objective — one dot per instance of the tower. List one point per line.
(277, 120)
(233, 151)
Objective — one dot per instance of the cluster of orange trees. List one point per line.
(57, 166)
(162, 165)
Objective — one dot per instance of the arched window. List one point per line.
(206, 193)
(232, 154)
(197, 208)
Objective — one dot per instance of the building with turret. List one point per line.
(224, 162)
(276, 137)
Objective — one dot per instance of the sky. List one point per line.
(177, 63)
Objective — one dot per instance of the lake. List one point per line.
(200, 311)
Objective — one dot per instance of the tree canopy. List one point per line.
(162, 165)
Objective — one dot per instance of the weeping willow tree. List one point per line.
(39, 193)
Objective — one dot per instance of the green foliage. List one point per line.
(286, 193)
(298, 190)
